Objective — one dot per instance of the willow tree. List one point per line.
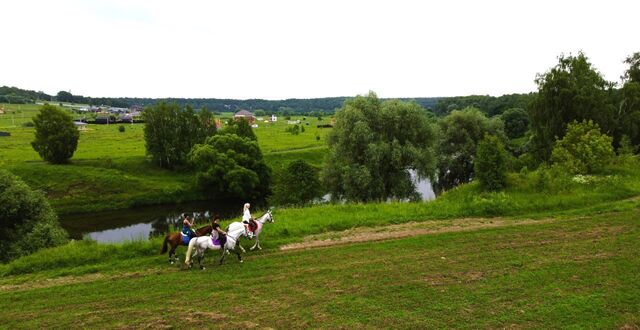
(373, 147)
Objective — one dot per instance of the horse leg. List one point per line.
(240, 246)
(200, 259)
(172, 254)
(257, 243)
(224, 253)
(238, 254)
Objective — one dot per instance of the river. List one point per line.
(144, 222)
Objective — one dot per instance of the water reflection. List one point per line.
(144, 222)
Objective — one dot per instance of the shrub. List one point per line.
(584, 149)
(121, 128)
(28, 124)
(27, 221)
(56, 135)
(490, 164)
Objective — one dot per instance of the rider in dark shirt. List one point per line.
(215, 226)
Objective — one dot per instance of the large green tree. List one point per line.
(297, 184)
(56, 137)
(373, 146)
(230, 166)
(629, 110)
(240, 127)
(64, 96)
(516, 122)
(460, 132)
(571, 90)
(171, 131)
(27, 222)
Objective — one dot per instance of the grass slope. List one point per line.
(568, 273)
(110, 170)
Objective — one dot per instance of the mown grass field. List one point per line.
(110, 170)
(577, 272)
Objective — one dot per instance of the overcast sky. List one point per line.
(304, 49)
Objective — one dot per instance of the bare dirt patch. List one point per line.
(362, 234)
(66, 280)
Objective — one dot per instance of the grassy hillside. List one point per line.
(575, 272)
(563, 253)
(110, 170)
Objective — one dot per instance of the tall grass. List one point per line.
(78, 257)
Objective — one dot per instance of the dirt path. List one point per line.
(65, 280)
(363, 234)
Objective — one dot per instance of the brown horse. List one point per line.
(175, 239)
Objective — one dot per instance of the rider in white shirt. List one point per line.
(246, 216)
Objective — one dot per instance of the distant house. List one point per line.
(293, 122)
(1, 112)
(246, 115)
(274, 118)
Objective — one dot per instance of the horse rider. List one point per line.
(215, 227)
(187, 231)
(246, 217)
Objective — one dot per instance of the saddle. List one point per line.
(253, 225)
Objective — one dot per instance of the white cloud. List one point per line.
(283, 49)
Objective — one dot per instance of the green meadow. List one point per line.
(550, 251)
(110, 170)
(575, 272)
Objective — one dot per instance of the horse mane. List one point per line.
(203, 230)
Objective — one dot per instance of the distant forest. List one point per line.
(440, 106)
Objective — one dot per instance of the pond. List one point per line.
(143, 222)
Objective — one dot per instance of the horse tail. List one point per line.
(164, 245)
(192, 243)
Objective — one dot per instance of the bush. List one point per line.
(121, 128)
(28, 124)
(56, 135)
(490, 165)
(584, 149)
(295, 129)
(28, 222)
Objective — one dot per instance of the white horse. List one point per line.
(265, 218)
(202, 243)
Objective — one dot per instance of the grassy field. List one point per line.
(573, 272)
(110, 170)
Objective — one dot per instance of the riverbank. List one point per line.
(616, 190)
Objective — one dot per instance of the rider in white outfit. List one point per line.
(246, 216)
